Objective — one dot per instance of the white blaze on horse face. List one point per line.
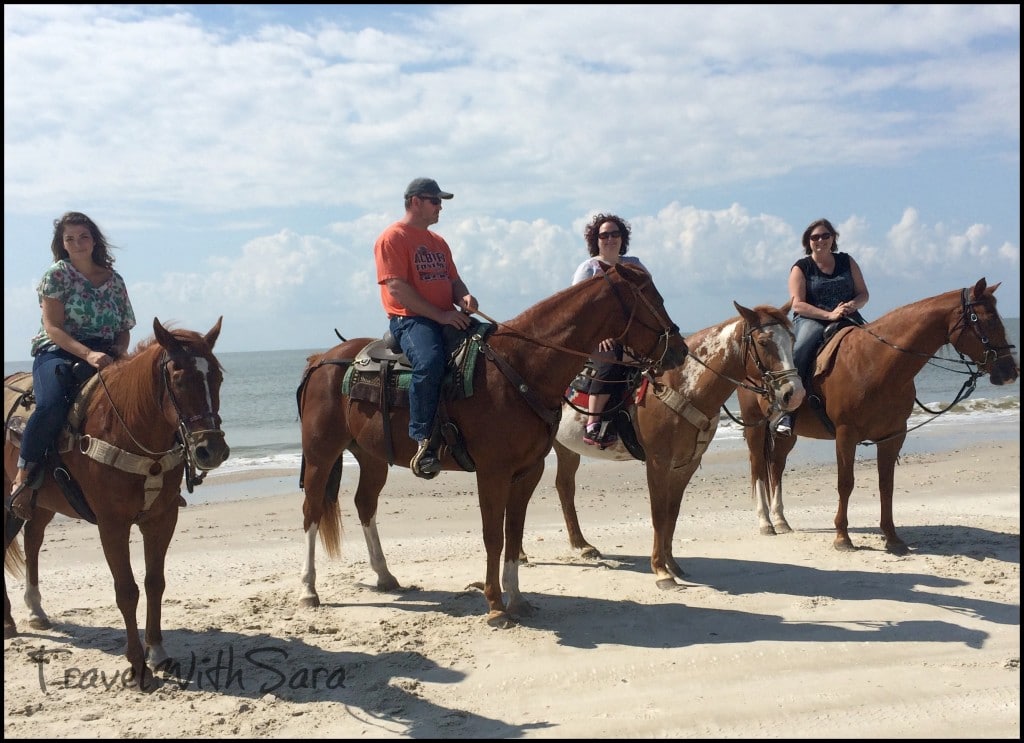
(203, 366)
(782, 340)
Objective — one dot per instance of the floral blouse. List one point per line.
(89, 311)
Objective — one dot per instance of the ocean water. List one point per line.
(260, 416)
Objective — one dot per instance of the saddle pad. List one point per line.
(365, 383)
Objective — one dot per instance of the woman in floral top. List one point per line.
(86, 316)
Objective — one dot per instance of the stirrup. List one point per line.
(428, 469)
(22, 501)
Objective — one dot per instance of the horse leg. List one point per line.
(888, 453)
(565, 483)
(845, 455)
(320, 516)
(515, 521)
(666, 487)
(33, 538)
(758, 443)
(778, 454)
(373, 474)
(14, 563)
(493, 490)
(114, 536)
(156, 538)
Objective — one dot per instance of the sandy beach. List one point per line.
(771, 637)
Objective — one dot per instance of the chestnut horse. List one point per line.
(142, 422)
(508, 422)
(677, 418)
(864, 379)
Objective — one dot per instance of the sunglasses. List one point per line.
(432, 199)
(822, 236)
(608, 235)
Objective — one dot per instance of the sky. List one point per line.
(244, 158)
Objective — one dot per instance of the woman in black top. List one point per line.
(825, 285)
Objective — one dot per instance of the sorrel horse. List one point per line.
(508, 422)
(677, 417)
(864, 379)
(145, 421)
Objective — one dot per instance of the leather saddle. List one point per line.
(618, 408)
(79, 380)
(835, 333)
(380, 374)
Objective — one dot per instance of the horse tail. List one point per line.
(14, 558)
(330, 522)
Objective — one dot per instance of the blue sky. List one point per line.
(243, 158)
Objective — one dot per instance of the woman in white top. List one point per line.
(607, 237)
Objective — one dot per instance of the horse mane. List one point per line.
(908, 315)
(631, 272)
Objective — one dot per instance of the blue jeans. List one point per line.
(809, 335)
(52, 405)
(422, 341)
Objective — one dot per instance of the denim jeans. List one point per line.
(809, 335)
(52, 406)
(422, 341)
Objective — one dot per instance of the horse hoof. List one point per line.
(844, 545)
(897, 548)
(40, 623)
(310, 602)
(590, 552)
(783, 528)
(521, 608)
(767, 531)
(157, 658)
(10, 631)
(666, 584)
(500, 620)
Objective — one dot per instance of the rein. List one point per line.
(667, 329)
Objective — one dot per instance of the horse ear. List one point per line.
(161, 333)
(748, 315)
(979, 288)
(784, 309)
(214, 333)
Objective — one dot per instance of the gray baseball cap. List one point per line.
(426, 187)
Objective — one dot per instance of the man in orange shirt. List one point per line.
(421, 291)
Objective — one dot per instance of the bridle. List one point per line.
(154, 464)
(186, 433)
(665, 332)
(969, 320)
(774, 379)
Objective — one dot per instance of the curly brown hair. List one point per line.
(590, 232)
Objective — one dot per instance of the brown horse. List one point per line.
(864, 380)
(508, 422)
(677, 418)
(142, 423)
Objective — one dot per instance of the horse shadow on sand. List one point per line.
(377, 689)
(696, 625)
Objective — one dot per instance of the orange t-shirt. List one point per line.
(419, 257)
